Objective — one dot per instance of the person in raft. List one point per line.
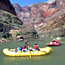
(36, 47)
(54, 40)
(57, 41)
(18, 49)
(26, 46)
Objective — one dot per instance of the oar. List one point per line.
(30, 55)
(62, 42)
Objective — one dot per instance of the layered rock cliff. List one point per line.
(53, 17)
(7, 22)
(23, 13)
(45, 17)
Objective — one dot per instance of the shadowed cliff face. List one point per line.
(8, 22)
(6, 5)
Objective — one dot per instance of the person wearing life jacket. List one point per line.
(23, 47)
(26, 46)
(18, 49)
(36, 46)
(54, 40)
(57, 41)
(51, 43)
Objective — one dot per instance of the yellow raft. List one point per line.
(42, 51)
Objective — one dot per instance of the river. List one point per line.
(55, 57)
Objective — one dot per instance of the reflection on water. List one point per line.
(35, 60)
(26, 58)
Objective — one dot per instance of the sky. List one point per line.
(23, 3)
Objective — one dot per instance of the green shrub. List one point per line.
(18, 33)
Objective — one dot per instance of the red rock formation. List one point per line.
(43, 11)
(48, 13)
(39, 10)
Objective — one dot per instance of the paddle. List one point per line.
(30, 55)
(30, 51)
(62, 42)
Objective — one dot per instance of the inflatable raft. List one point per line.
(53, 44)
(42, 51)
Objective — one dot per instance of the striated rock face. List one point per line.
(23, 13)
(10, 22)
(6, 5)
(54, 22)
(52, 26)
(45, 17)
(17, 7)
(38, 10)
(43, 10)
(7, 22)
(46, 9)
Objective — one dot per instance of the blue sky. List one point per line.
(23, 3)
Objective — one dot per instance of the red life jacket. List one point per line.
(57, 40)
(15, 49)
(35, 47)
(23, 47)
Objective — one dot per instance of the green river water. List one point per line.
(56, 56)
